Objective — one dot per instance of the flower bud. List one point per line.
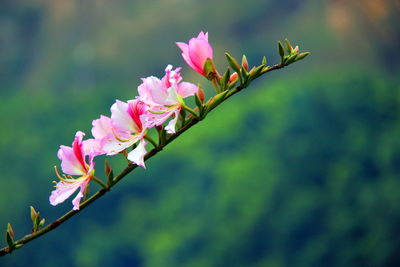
(10, 230)
(232, 62)
(245, 64)
(34, 214)
(233, 78)
(200, 94)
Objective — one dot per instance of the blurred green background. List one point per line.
(301, 169)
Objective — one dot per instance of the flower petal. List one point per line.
(113, 146)
(93, 147)
(186, 89)
(170, 128)
(65, 189)
(69, 163)
(185, 54)
(137, 155)
(152, 92)
(120, 116)
(199, 51)
(77, 200)
(101, 127)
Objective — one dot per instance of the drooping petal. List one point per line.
(77, 200)
(186, 89)
(137, 155)
(65, 189)
(170, 128)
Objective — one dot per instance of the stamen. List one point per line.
(124, 140)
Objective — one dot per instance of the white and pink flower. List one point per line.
(127, 126)
(165, 97)
(73, 162)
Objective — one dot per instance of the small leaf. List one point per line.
(37, 222)
(245, 75)
(225, 79)
(264, 61)
(215, 100)
(254, 73)
(41, 223)
(10, 240)
(110, 177)
(233, 63)
(199, 98)
(302, 55)
(10, 230)
(107, 167)
(281, 51)
(289, 47)
(34, 214)
(10, 236)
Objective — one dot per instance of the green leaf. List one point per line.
(10, 230)
(302, 55)
(245, 75)
(281, 51)
(233, 63)
(264, 61)
(33, 214)
(289, 47)
(254, 73)
(41, 223)
(10, 236)
(107, 167)
(225, 79)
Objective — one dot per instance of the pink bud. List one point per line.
(200, 93)
(245, 64)
(196, 52)
(233, 78)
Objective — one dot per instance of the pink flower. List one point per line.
(127, 126)
(196, 52)
(73, 162)
(103, 131)
(165, 97)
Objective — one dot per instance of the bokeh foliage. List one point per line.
(301, 169)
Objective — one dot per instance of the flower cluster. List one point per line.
(159, 104)
(159, 101)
